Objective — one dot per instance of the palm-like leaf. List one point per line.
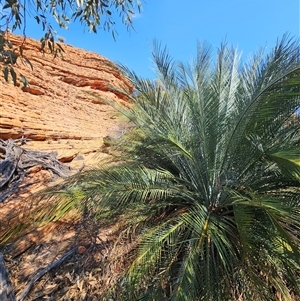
(213, 170)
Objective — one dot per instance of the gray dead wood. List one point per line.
(41, 273)
(6, 288)
(15, 161)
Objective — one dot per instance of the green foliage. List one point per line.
(94, 14)
(215, 176)
(8, 57)
(210, 174)
(47, 41)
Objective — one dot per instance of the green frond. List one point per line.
(226, 133)
(288, 162)
(210, 173)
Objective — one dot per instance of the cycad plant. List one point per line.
(211, 174)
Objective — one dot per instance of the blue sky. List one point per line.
(180, 24)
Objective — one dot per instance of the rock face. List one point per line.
(63, 108)
(63, 112)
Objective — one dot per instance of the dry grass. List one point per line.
(86, 275)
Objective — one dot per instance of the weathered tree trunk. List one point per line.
(16, 160)
(6, 288)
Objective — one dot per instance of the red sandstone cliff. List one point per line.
(63, 107)
(62, 110)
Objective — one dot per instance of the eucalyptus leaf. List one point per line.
(5, 72)
(14, 76)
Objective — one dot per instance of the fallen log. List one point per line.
(16, 160)
(6, 288)
(41, 273)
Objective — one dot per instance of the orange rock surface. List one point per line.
(63, 108)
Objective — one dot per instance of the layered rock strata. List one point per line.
(64, 106)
